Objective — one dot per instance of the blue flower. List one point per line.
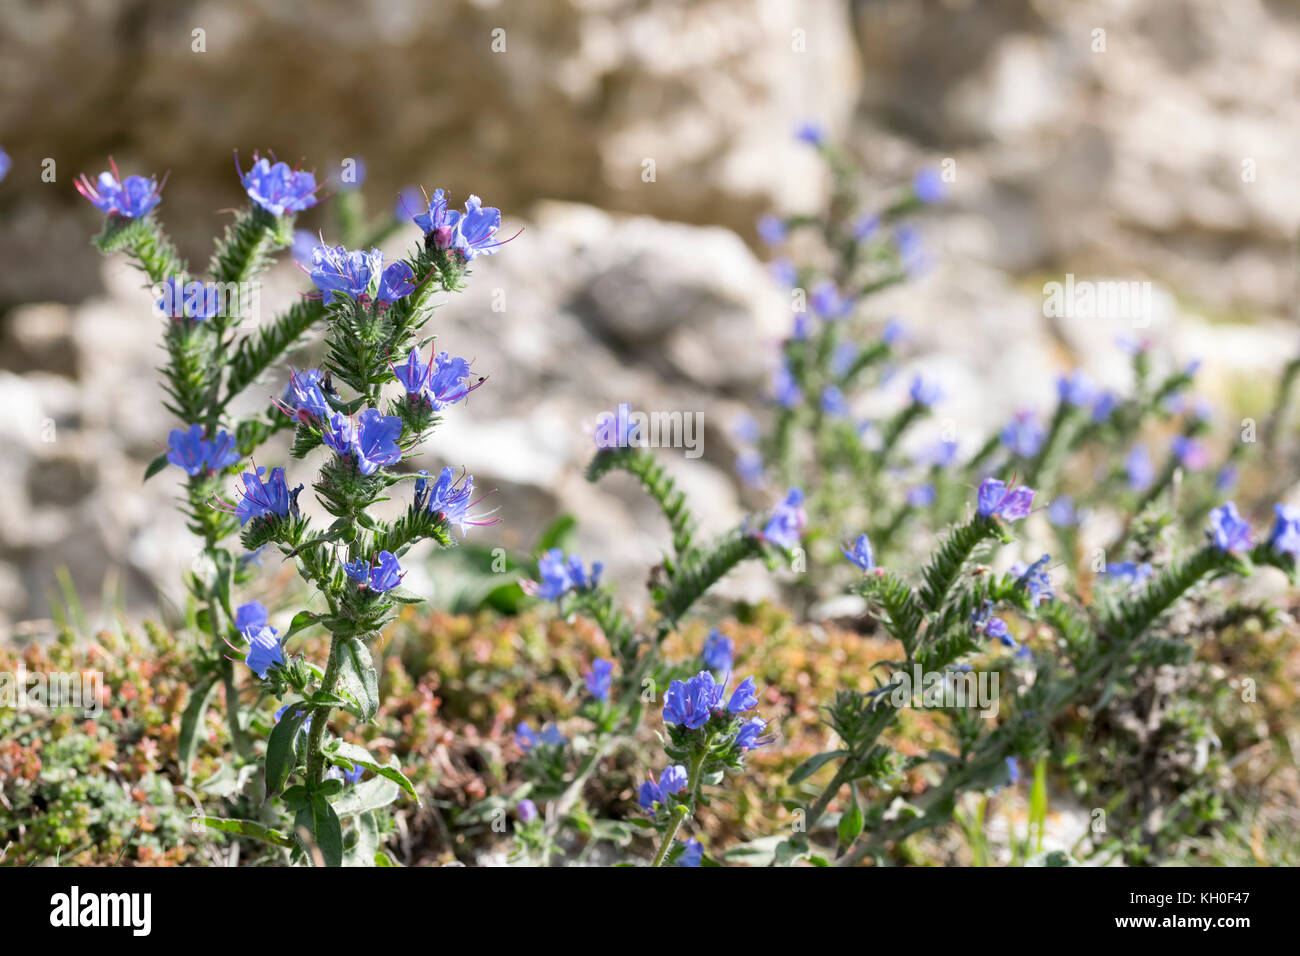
(986, 625)
(1076, 389)
(1226, 478)
(549, 737)
(409, 198)
(743, 698)
(828, 302)
(447, 376)
(347, 776)
(1138, 468)
(923, 393)
(525, 737)
(911, 250)
(554, 573)
(921, 496)
(335, 271)
(413, 374)
(560, 575)
(893, 332)
(252, 614)
(526, 810)
(304, 244)
(1128, 572)
(749, 468)
(771, 229)
(928, 185)
(784, 387)
(263, 650)
(861, 554)
(599, 678)
(440, 382)
(783, 272)
(5, 164)
(452, 500)
(693, 854)
(1034, 578)
(395, 282)
(718, 653)
(370, 442)
(995, 499)
(1227, 529)
(132, 197)
(439, 222)
(750, 734)
(190, 451)
(476, 229)
(1023, 435)
(833, 403)
(1104, 405)
(278, 189)
(691, 703)
(304, 397)
(810, 132)
(1013, 771)
(1285, 536)
(787, 522)
(193, 300)
(280, 713)
(672, 780)
(1191, 453)
(939, 455)
(382, 574)
(258, 498)
(1061, 512)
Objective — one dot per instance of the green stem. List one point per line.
(320, 716)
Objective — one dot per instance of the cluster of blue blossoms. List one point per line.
(560, 575)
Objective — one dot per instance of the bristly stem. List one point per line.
(657, 483)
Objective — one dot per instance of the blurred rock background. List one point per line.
(1112, 140)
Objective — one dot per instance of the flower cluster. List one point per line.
(438, 383)
(369, 442)
(560, 575)
(471, 233)
(190, 450)
(131, 198)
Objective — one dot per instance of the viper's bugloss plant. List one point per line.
(708, 724)
(369, 311)
(1096, 449)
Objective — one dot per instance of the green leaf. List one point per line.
(301, 621)
(760, 852)
(281, 750)
(192, 723)
(357, 679)
(372, 794)
(404, 596)
(322, 823)
(556, 534)
(351, 755)
(365, 844)
(850, 827)
(815, 763)
(248, 828)
(155, 466)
